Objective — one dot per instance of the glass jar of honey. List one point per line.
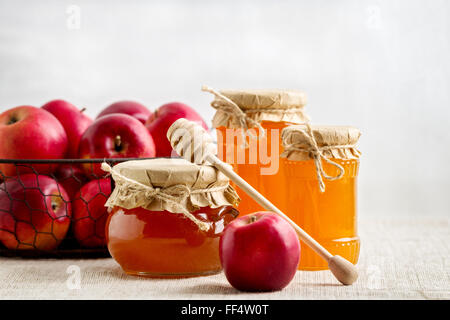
(166, 217)
(320, 164)
(248, 125)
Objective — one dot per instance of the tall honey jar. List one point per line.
(321, 164)
(248, 125)
(166, 217)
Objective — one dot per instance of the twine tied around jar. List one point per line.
(316, 153)
(170, 194)
(228, 106)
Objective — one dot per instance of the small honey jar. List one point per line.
(248, 125)
(167, 216)
(320, 164)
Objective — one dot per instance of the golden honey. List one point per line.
(256, 116)
(329, 217)
(164, 244)
(320, 165)
(166, 217)
(258, 163)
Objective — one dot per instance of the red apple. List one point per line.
(28, 132)
(132, 108)
(74, 121)
(259, 252)
(90, 213)
(115, 136)
(34, 212)
(163, 117)
(71, 177)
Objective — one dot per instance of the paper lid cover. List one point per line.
(171, 184)
(265, 99)
(337, 142)
(255, 106)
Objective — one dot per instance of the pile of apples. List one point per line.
(41, 203)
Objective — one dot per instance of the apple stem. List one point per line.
(82, 110)
(252, 219)
(12, 120)
(117, 142)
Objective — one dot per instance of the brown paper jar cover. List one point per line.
(171, 184)
(338, 142)
(260, 105)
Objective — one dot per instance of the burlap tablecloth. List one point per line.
(401, 258)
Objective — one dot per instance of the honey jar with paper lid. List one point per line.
(167, 216)
(321, 168)
(248, 125)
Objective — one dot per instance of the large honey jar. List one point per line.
(320, 164)
(167, 216)
(248, 125)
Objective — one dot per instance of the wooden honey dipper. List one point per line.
(194, 144)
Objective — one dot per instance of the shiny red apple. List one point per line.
(34, 212)
(132, 108)
(115, 136)
(74, 121)
(71, 177)
(259, 252)
(28, 132)
(90, 213)
(160, 121)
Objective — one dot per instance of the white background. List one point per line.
(383, 66)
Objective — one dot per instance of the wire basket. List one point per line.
(54, 208)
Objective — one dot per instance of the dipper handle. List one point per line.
(342, 269)
(194, 144)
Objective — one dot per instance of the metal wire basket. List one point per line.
(54, 208)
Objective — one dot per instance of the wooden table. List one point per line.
(401, 258)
